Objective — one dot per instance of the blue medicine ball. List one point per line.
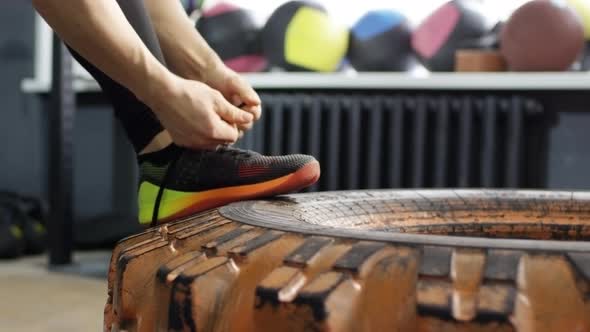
(381, 41)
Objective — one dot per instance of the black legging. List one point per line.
(138, 120)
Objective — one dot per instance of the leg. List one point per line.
(141, 125)
(175, 181)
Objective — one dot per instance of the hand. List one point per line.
(197, 116)
(235, 89)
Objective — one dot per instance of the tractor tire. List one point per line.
(388, 260)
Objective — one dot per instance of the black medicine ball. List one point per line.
(381, 41)
(233, 34)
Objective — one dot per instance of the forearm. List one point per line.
(186, 52)
(98, 30)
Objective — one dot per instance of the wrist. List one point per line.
(194, 64)
(158, 87)
(215, 74)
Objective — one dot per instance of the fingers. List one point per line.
(245, 127)
(231, 113)
(236, 100)
(224, 132)
(247, 94)
(244, 91)
(254, 110)
(245, 97)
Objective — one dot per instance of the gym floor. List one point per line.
(36, 299)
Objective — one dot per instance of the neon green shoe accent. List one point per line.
(16, 231)
(172, 202)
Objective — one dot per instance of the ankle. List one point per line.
(161, 157)
(159, 142)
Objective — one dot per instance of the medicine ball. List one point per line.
(233, 34)
(300, 36)
(542, 35)
(458, 24)
(381, 41)
(25, 218)
(582, 8)
(33, 214)
(191, 5)
(12, 241)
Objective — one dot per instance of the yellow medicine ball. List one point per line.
(300, 36)
(582, 8)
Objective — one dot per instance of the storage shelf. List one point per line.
(396, 81)
(432, 81)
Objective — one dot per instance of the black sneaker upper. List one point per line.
(196, 170)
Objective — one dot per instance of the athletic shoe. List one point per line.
(196, 181)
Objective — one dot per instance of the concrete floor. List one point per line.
(34, 299)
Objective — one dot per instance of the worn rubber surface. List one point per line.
(362, 261)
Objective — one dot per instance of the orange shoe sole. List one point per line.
(302, 178)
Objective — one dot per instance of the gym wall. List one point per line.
(23, 150)
(20, 121)
(23, 145)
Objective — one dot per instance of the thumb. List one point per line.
(245, 92)
(233, 114)
(225, 132)
(254, 110)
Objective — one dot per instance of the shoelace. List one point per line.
(238, 153)
(163, 185)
